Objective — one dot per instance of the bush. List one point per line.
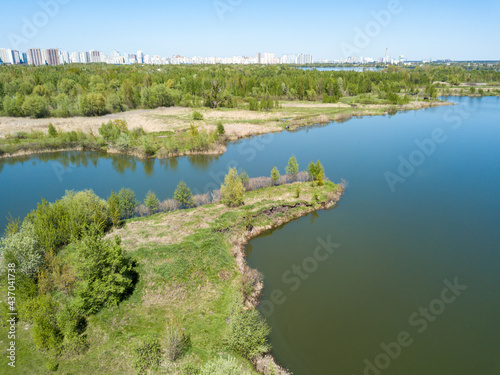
(220, 128)
(115, 210)
(128, 203)
(46, 333)
(24, 249)
(151, 202)
(149, 147)
(146, 355)
(316, 172)
(224, 366)
(183, 195)
(197, 116)
(275, 175)
(248, 333)
(293, 167)
(232, 190)
(52, 131)
(104, 271)
(244, 178)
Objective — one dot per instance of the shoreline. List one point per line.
(299, 121)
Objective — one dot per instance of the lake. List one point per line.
(401, 278)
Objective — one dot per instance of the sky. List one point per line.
(417, 29)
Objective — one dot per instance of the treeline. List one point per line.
(97, 89)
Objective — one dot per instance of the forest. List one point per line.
(98, 89)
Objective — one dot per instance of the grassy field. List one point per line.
(192, 278)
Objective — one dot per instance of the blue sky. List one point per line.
(420, 29)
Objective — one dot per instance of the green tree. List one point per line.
(275, 175)
(232, 190)
(316, 172)
(35, 106)
(105, 273)
(128, 203)
(115, 209)
(93, 104)
(183, 195)
(293, 167)
(151, 202)
(197, 115)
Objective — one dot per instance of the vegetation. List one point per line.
(292, 167)
(96, 89)
(232, 190)
(275, 175)
(183, 195)
(163, 300)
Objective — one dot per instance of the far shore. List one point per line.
(238, 123)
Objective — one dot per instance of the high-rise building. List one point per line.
(259, 58)
(140, 57)
(51, 56)
(35, 56)
(96, 56)
(85, 57)
(7, 56)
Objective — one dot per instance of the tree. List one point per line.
(316, 172)
(183, 195)
(128, 203)
(275, 175)
(244, 178)
(93, 104)
(151, 202)
(115, 209)
(23, 248)
(232, 190)
(293, 167)
(104, 272)
(35, 106)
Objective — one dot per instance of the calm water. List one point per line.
(394, 248)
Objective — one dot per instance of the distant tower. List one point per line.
(386, 55)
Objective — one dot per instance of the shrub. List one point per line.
(104, 272)
(23, 248)
(149, 147)
(201, 199)
(293, 167)
(151, 202)
(244, 178)
(197, 116)
(110, 131)
(46, 333)
(224, 366)
(183, 195)
(146, 355)
(232, 190)
(297, 191)
(169, 205)
(220, 128)
(115, 210)
(52, 131)
(275, 175)
(248, 333)
(127, 202)
(316, 172)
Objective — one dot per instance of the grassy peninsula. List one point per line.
(177, 296)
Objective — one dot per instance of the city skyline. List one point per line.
(329, 31)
